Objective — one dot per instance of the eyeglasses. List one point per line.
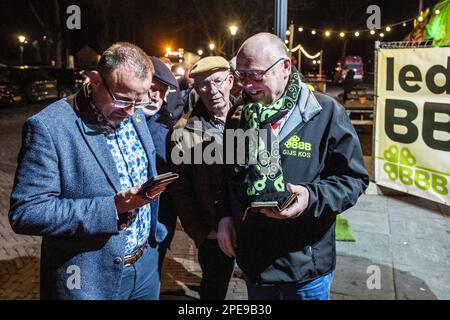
(255, 75)
(124, 103)
(206, 85)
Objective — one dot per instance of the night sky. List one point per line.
(192, 24)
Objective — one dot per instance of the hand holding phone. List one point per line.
(292, 208)
(158, 182)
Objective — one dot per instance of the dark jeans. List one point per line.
(217, 269)
(318, 289)
(140, 281)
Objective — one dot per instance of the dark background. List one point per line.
(192, 24)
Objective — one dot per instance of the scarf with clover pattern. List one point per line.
(264, 174)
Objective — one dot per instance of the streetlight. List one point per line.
(22, 41)
(233, 31)
(211, 48)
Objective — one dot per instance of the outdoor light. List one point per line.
(404, 24)
(288, 32)
(327, 33)
(388, 29)
(212, 46)
(200, 52)
(437, 11)
(233, 30)
(314, 62)
(420, 18)
(372, 32)
(286, 41)
(300, 29)
(313, 31)
(22, 39)
(382, 35)
(341, 34)
(356, 34)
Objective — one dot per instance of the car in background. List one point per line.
(37, 84)
(355, 63)
(10, 93)
(69, 80)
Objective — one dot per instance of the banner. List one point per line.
(412, 140)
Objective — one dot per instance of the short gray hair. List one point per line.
(128, 55)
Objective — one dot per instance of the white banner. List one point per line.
(412, 142)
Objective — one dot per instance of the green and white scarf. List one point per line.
(266, 175)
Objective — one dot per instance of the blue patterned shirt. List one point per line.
(131, 163)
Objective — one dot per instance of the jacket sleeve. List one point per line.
(37, 206)
(183, 192)
(344, 177)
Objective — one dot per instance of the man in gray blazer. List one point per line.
(80, 168)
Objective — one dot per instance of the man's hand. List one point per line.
(226, 236)
(296, 209)
(130, 199)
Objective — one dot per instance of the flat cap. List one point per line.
(209, 64)
(163, 74)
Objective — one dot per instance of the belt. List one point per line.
(135, 256)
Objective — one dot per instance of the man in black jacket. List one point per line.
(200, 171)
(160, 123)
(312, 150)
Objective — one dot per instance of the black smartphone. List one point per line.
(158, 182)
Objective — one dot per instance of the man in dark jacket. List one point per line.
(199, 139)
(159, 121)
(313, 153)
(348, 83)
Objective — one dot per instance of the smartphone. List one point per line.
(158, 182)
(274, 204)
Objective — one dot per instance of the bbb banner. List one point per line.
(412, 141)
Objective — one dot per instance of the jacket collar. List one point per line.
(306, 109)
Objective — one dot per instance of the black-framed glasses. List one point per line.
(255, 75)
(206, 85)
(125, 103)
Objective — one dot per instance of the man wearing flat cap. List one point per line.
(200, 180)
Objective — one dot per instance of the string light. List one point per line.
(437, 11)
(309, 56)
(420, 18)
(359, 32)
(288, 32)
(286, 41)
(382, 35)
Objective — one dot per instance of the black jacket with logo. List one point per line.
(320, 150)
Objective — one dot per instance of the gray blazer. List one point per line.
(64, 190)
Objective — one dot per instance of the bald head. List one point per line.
(264, 53)
(264, 45)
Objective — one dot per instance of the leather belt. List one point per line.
(136, 255)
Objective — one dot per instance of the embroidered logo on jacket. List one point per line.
(297, 148)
